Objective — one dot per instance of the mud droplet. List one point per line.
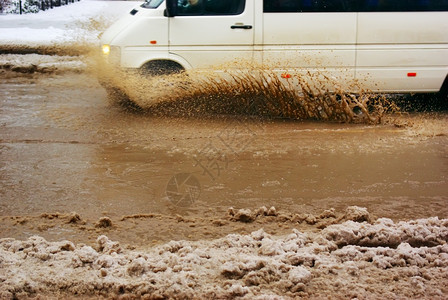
(244, 215)
(104, 222)
(103, 272)
(74, 218)
(357, 214)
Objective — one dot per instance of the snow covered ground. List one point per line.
(353, 259)
(62, 25)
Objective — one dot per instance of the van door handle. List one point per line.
(241, 26)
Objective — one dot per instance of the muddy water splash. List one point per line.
(240, 89)
(252, 92)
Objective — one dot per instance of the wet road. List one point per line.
(64, 148)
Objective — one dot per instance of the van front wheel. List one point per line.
(161, 67)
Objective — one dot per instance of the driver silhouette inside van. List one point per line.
(189, 6)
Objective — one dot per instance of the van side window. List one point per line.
(210, 7)
(288, 6)
(403, 5)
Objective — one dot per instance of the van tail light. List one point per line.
(412, 74)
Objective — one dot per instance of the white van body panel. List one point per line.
(309, 40)
(116, 28)
(134, 34)
(393, 44)
(136, 44)
(403, 28)
(210, 42)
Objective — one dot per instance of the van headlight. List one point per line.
(106, 49)
(112, 54)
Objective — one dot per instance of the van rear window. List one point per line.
(308, 6)
(288, 6)
(404, 5)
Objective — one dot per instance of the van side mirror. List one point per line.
(171, 8)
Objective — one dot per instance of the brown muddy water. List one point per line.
(73, 166)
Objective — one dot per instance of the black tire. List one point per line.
(443, 94)
(159, 68)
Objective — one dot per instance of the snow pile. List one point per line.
(326, 218)
(384, 232)
(349, 260)
(246, 215)
(31, 63)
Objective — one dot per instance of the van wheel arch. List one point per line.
(161, 67)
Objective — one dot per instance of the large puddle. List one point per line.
(65, 151)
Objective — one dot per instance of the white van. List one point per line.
(386, 45)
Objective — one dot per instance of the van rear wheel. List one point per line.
(443, 94)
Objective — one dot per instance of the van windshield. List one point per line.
(152, 3)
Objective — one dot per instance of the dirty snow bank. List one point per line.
(30, 63)
(383, 259)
